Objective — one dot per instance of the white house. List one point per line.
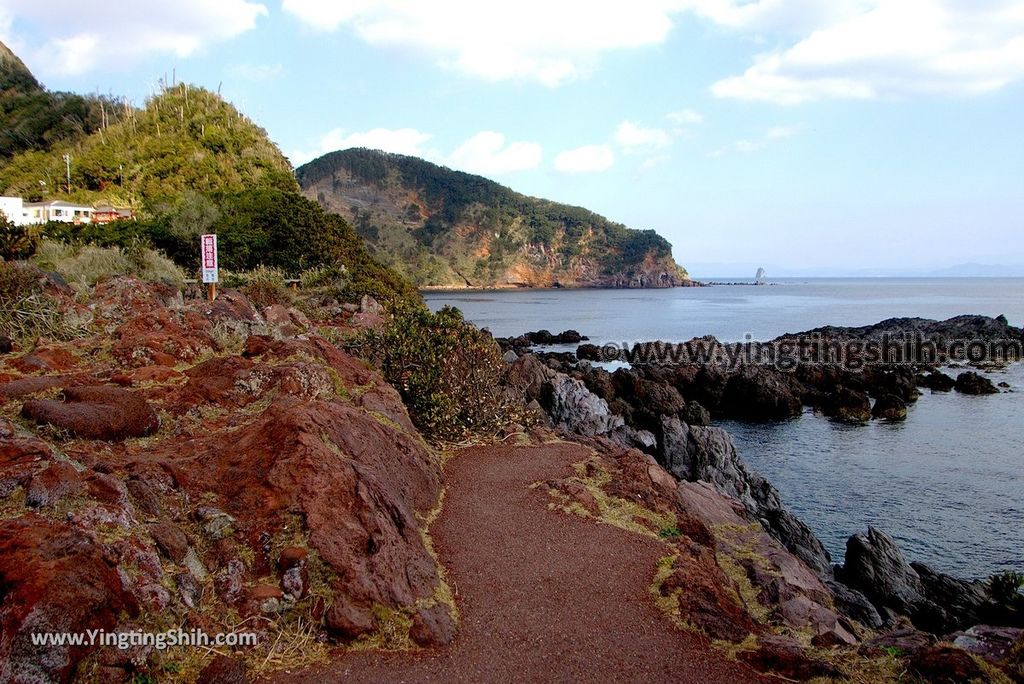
(58, 210)
(14, 209)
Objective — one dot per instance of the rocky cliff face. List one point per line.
(444, 228)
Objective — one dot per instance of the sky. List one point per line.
(810, 137)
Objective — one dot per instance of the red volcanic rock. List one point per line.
(703, 594)
(432, 626)
(783, 655)
(356, 481)
(146, 374)
(54, 579)
(100, 412)
(22, 387)
(57, 480)
(45, 360)
(120, 298)
(224, 670)
(347, 620)
(19, 458)
(162, 337)
(171, 541)
(231, 306)
(946, 665)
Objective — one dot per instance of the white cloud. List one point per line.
(538, 40)
(71, 37)
(586, 159)
(400, 140)
(882, 48)
(685, 117)
(631, 137)
(487, 153)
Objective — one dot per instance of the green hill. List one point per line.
(185, 138)
(446, 228)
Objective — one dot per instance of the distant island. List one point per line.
(445, 228)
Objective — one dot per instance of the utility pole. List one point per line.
(67, 164)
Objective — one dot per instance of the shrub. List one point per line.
(1006, 588)
(447, 371)
(332, 276)
(86, 265)
(27, 311)
(16, 242)
(265, 287)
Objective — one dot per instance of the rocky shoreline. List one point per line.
(666, 409)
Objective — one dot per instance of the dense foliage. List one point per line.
(448, 372)
(258, 227)
(506, 223)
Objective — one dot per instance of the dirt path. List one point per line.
(544, 596)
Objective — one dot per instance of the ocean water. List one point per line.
(947, 484)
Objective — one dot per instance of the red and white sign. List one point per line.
(208, 256)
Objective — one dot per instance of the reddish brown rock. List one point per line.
(782, 655)
(54, 579)
(224, 670)
(348, 621)
(171, 541)
(946, 665)
(45, 360)
(56, 481)
(432, 626)
(162, 337)
(100, 412)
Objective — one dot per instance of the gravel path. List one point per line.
(544, 596)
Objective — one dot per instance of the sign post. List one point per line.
(208, 258)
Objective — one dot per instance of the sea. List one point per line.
(947, 484)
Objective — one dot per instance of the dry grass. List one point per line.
(86, 265)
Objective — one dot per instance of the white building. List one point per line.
(14, 209)
(58, 210)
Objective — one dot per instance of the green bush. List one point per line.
(447, 371)
(331, 276)
(265, 286)
(1006, 588)
(16, 242)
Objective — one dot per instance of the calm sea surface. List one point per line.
(948, 483)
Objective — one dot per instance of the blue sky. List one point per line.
(805, 136)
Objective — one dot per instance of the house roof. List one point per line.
(59, 204)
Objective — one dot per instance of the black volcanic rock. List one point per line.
(889, 407)
(970, 382)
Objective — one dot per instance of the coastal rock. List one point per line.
(937, 381)
(889, 407)
(970, 382)
(575, 408)
(6, 344)
(847, 405)
(707, 453)
(933, 601)
(760, 393)
(589, 352)
(224, 670)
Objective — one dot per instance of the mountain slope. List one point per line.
(31, 118)
(446, 228)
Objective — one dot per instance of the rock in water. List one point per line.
(889, 407)
(972, 383)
